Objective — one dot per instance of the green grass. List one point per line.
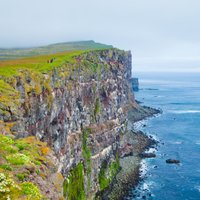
(87, 155)
(97, 108)
(21, 176)
(17, 53)
(17, 156)
(107, 173)
(6, 167)
(21, 152)
(31, 190)
(38, 63)
(73, 187)
(18, 159)
(86, 150)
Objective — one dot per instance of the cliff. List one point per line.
(63, 115)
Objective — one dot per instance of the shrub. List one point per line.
(108, 172)
(9, 148)
(31, 191)
(21, 145)
(21, 177)
(6, 167)
(18, 159)
(6, 139)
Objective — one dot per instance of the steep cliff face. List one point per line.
(80, 110)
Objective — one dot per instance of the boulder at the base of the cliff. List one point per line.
(172, 161)
(147, 155)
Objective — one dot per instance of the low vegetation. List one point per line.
(73, 187)
(87, 155)
(19, 158)
(11, 54)
(107, 173)
(41, 64)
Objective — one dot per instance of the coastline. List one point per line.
(133, 144)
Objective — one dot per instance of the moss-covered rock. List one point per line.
(108, 172)
(73, 187)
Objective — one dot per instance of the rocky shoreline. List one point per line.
(133, 145)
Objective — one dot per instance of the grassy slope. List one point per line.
(37, 63)
(11, 68)
(37, 58)
(10, 54)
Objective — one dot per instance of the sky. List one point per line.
(163, 35)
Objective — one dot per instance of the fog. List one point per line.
(163, 35)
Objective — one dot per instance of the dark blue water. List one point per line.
(178, 95)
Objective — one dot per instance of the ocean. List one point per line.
(178, 130)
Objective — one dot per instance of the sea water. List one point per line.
(178, 130)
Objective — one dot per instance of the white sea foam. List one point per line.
(177, 142)
(159, 96)
(197, 187)
(154, 137)
(143, 168)
(145, 186)
(183, 111)
(150, 150)
(138, 125)
(197, 142)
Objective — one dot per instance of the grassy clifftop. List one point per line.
(16, 53)
(42, 63)
(43, 58)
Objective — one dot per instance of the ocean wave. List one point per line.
(176, 142)
(185, 103)
(197, 187)
(143, 168)
(145, 186)
(197, 142)
(183, 111)
(138, 125)
(151, 150)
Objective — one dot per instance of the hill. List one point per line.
(17, 53)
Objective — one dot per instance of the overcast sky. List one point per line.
(162, 34)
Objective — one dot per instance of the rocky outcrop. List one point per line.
(135, 84)
(172, 161)
(80, 110)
